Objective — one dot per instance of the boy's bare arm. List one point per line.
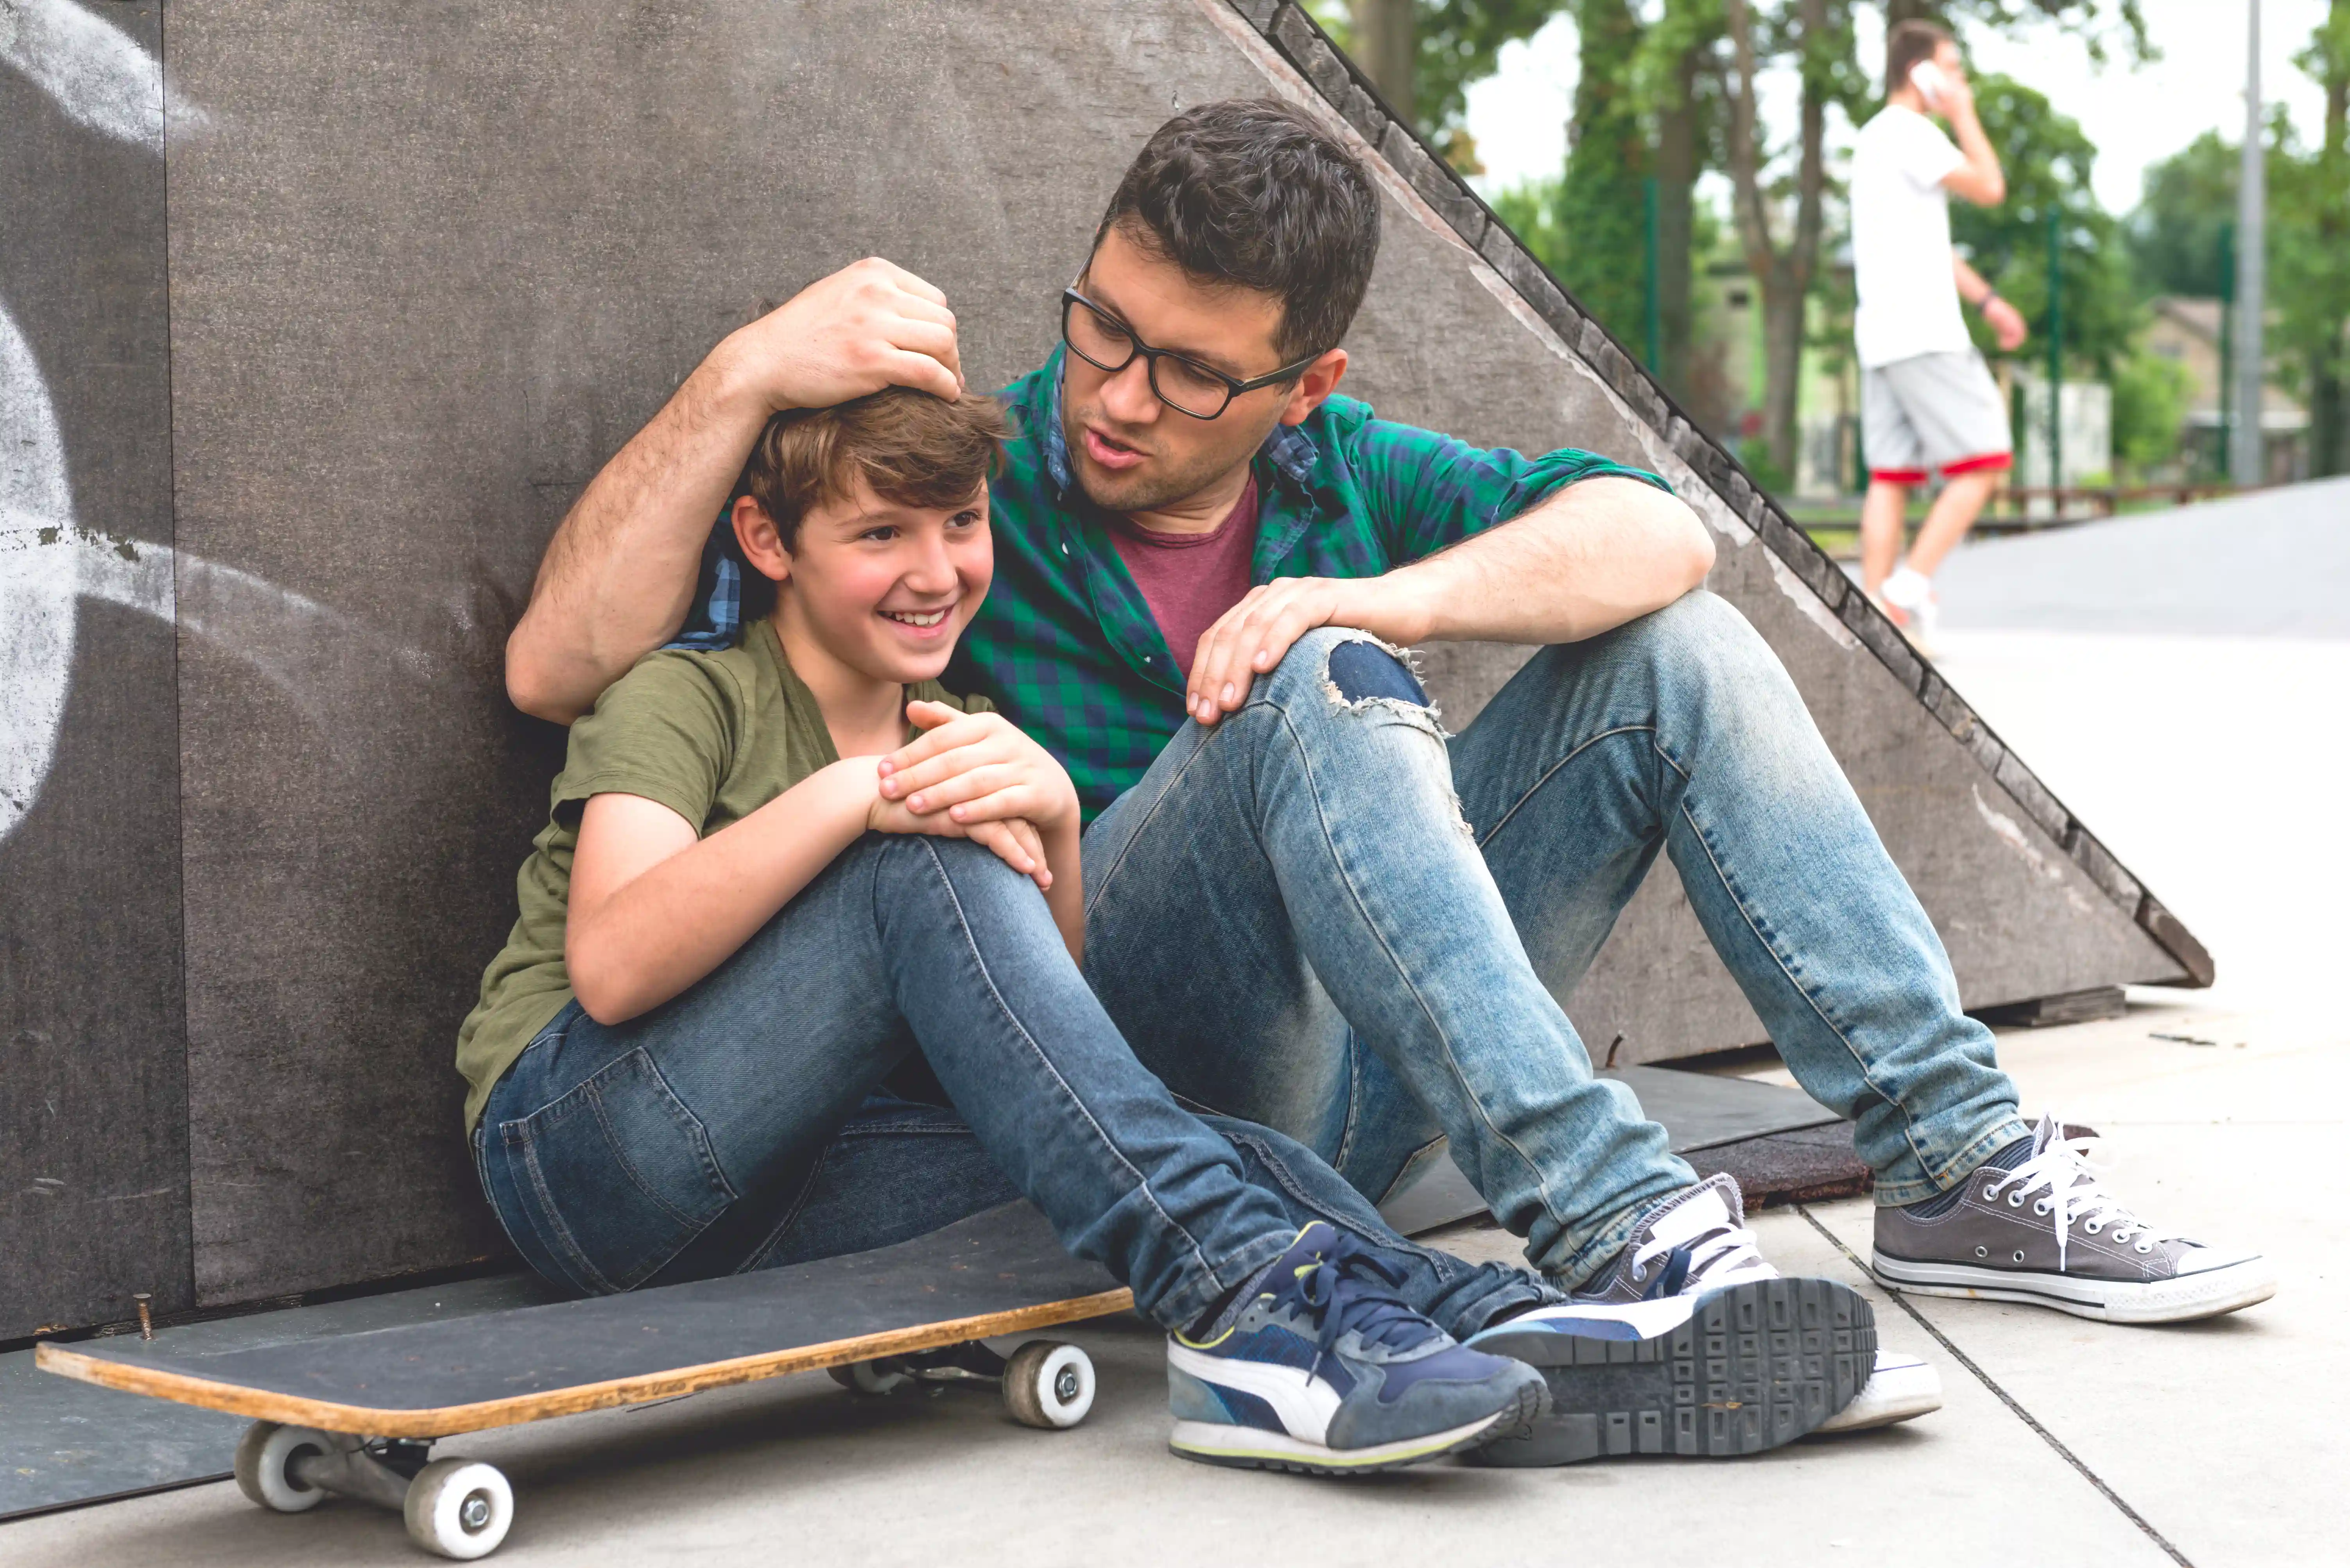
(654, 908)
(619, 572)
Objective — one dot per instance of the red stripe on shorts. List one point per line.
(1988, 462)
(1899, 475)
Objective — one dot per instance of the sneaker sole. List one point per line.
(1751, 1367)
(1251, 1447)
(2181, 1300)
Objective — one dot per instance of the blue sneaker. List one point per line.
(1316, 1366)
(1691, 1344)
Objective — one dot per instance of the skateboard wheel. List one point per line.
(264, 1458)
(1048, 1384)
(868, 1377)
(459, 1508)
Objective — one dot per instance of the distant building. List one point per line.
(2187, 331)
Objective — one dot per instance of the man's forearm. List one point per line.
(1972, 288)
(1594, 555)
(620, 571)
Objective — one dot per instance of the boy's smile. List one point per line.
(872, 593)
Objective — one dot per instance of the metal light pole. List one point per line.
(2247, 462)
(2056, 361)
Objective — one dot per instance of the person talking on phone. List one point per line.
(1928, 403)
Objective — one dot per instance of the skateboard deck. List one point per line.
(999, 1272)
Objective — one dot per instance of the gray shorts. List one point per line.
(1932, 413)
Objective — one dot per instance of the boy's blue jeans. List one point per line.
(738, 1127)
(1295, 920)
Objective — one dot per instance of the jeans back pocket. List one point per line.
(617, 1174)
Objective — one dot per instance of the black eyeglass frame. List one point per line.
(1070, 297)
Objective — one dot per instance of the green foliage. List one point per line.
(2176, 234)
(1460, 40)
(1601, 214)
(2125, 26)
(1530, 211)
(2151, 395)
(2048, 159)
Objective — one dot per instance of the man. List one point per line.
(1308, 907)
(1928, 404)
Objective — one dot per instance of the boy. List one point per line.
(1928, 402)
(729, 939)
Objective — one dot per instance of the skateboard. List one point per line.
(358, 1414)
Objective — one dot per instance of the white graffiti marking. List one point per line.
(49, 564)
(96, 73)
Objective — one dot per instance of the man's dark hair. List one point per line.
(1909, 43)
(1253, 193)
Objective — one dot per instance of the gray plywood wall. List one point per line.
(304, 356)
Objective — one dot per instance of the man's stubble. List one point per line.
(1160, 486)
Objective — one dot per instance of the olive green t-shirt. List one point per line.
(712, 736)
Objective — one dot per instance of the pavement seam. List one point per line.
(1985, 1378)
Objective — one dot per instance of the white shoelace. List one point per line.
(1719, 1252)
(2073, 1194)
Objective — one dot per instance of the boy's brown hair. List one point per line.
(1909, 44)
(908, 447)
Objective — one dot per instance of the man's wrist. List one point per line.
(733, 389)
(1397, 607)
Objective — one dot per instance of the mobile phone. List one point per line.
(1927, 78)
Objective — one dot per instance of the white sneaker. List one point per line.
(1902, 1387)
(1907, 599)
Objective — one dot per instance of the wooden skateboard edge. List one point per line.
(292, 1410)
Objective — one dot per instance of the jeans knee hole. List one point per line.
(1363, 671)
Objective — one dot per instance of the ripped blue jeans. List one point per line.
(1325, 915)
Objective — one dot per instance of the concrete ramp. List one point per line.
(314, 320)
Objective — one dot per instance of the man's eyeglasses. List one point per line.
(1188, 387)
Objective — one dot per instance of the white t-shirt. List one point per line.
(1901, 240)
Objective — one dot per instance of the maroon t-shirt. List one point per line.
(1189, 580)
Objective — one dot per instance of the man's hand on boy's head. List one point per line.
(868, 326)
(976, 768)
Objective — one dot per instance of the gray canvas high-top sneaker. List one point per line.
(2036, 1224)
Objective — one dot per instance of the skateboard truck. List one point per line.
(453, 1507)
(1046, 1382)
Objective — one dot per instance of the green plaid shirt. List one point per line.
(1066, 645)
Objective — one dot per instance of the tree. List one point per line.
(2312, 283)
(1601, 212)
(1423, 54)
(1678, 79)
(1818, 36)
(2151, 395)
(2178, 232)
(2183, 219)
(1387, 43)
